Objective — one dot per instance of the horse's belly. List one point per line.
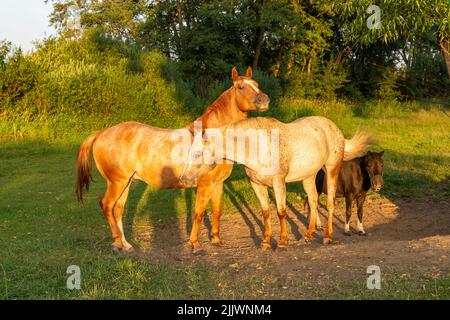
(259, 178)
(304, 166)
(162, 177)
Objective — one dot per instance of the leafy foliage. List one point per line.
(93, 76)
(151, 60)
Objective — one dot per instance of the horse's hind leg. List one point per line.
(263, 197)
(279, 188)
(318, 222)
(309, 185)
(332, 173)
(118, 215)
(113, 193)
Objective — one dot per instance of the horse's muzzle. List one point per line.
(262, 102)
(377, 183)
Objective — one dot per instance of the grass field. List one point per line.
(45, 230)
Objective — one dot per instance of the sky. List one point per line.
(23, 21)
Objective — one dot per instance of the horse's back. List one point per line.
(127, 148)
(257, 123)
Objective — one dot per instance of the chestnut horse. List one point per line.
(132, 150)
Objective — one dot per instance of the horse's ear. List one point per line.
(249, 72)
(234, 74)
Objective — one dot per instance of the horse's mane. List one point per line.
(216, 113)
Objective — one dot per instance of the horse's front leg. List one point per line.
(348, 213)
(360, 203)
(263, 197)
(279, 188)
(216, 204)
(204, 192)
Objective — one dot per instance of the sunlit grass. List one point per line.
(46, 230)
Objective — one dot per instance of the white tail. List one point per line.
(356, 145)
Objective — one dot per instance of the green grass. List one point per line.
(395, 286)
(45, 230)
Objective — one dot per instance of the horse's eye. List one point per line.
(241, 87)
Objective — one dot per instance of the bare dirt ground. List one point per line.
(410, 236)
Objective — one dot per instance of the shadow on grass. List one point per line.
(153, 213)
(407, 176)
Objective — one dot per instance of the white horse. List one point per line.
(298, 151)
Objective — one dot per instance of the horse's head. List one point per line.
(200, 161)
(374, 165)
(248, 95)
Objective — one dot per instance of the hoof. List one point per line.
(122, 251)
(309, 235)
(282, 247)
(347, 233)
(319, 228)
(128, 250)
(327, 241)
(197, 248)
(265, 246)
(116, 250)
(216, 241)
(198, 251)
(307, 239)
(362, 233)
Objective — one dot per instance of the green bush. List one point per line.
(89, 82)
(324, 84)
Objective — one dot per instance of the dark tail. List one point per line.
(84, 165)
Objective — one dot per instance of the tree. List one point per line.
(400, 19)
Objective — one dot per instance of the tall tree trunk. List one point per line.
(259, 41)
(180, 17)
(187, 15)
(444, 46)
(177, 26)
(276, 69)
(180, 24)
(311, 61)
(290, 60)
(259, 37)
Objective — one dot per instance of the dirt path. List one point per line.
(405, 235)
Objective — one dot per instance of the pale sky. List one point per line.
(22, 21)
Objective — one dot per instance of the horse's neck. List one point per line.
(222, 111)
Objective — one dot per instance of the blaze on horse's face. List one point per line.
(248, 95)
(374, 165)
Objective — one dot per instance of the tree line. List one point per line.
(301, 49)
(306, 43)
